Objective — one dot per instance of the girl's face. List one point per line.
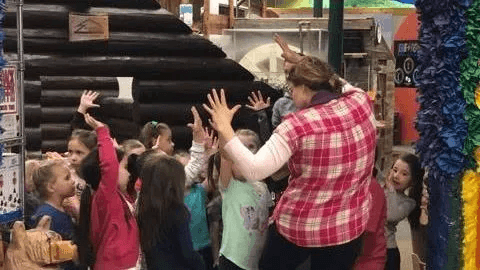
(63, 183)
(249, 142)
(165, 143)
(77, 151)
(400, 176)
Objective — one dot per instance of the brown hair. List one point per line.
(316, 75)
(86, 137)
(44, 174)
(129, 145)
(160, 204)
(150, 132)
(31, 166)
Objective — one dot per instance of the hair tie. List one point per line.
(154, 123)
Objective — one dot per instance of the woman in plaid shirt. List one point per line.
(329, 144)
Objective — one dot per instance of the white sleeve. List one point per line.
(195, 165)
(269, 159)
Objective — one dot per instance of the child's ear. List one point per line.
(51, 186)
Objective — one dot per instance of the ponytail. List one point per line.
(86, 254)
(132, 168)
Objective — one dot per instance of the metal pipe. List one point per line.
(21, 98)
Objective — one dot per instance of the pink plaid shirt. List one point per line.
(327, 200)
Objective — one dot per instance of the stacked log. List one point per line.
(173, 68)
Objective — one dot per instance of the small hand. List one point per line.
(257, 102)
(197, 128)
(221, 115)
(211, 142)
(92, 122)
(86, 101)
(288, 55)
(389, 185)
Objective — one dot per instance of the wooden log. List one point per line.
(54, 16)
(33, 115)
(85, 4)
(171, 68)
(44, 41)
(123, 129)
(75, 82)
(117, 108)
(180, 114)
(33, 91)
(64, 115)
(33, 138)
(55, 131)
(57, 114)
(187, 91)
(59, 98)
(60, 146)
(182, 137)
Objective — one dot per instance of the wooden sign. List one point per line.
(84, 27)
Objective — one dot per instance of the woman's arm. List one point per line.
(225, 173)
(269, 159)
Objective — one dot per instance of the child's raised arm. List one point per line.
(197, 152)
(107, 156)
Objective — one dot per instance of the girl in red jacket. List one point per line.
(108, 232)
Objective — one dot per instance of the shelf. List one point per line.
(12, 142)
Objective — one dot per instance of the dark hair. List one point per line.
(150, 132)
(213, 165)
(86, 137)
(160, 205)
(90, 172)
(134, 167)
(43, 174)
(316, 75)
(416, 173)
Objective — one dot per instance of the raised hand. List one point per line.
(211, 142)
(197, 128)
(86, 101)
(257, 103)
(221, 115)
(92, 122)
(288, 55)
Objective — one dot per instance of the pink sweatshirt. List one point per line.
(114, 230)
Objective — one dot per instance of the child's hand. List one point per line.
(86, 101)
(257, 102)
(211, 142)
(92, 122)
(389, 186)
(197, 128)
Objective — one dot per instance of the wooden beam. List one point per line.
(292, 23)
(206, 18)
(231, 15)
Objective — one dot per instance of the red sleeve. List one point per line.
(108, 161)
